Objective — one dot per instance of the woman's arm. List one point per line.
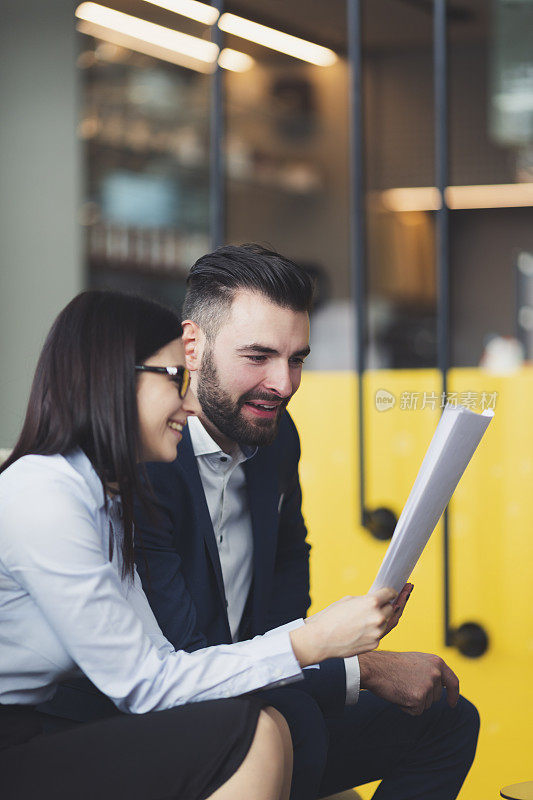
(53, 546)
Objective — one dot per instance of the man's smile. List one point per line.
(263, 410)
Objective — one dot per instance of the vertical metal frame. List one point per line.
(217, 196)
(470, 638)
(357, 220)
(440, 79)
(381, 521)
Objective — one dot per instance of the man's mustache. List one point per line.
(263, 397)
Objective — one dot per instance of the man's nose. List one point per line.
(279, 379)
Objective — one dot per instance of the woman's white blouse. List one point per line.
(64, 607)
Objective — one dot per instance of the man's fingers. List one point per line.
(403, 597)
(451, 682)
(395, 617)
(437, 692)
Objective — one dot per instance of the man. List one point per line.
(226, 556)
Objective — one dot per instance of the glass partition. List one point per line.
(145, 127)
(287, 160)
(491, 177)
(399, 163)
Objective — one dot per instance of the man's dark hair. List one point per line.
(84, 390)
(216, 277)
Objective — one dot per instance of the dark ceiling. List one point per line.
(387, 23)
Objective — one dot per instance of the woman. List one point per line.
(110, 391)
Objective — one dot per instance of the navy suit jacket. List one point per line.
(177, 556)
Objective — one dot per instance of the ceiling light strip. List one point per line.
(277, 40)
(234, 60)
(426, 198)
(192, 9)
(502, 195)
(140, 46)
(148, 33)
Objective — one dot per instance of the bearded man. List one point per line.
(226, 557)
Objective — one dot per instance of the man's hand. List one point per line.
(413, 681)
(398, 607)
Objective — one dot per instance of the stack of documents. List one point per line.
(454, 443)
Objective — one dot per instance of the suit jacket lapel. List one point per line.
(263, 490)
(187, 461)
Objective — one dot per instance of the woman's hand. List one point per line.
(350, 626)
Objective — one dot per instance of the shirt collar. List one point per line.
(204, 445)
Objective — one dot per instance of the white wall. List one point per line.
(40, 254)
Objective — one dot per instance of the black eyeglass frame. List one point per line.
(181, 376)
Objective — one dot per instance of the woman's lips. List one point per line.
(176, 426)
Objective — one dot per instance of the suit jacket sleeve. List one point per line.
(157, 555)
(290, 597)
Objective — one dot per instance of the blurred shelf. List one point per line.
(303, 184)
(147, 154)
(273, 184)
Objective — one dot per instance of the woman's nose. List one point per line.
(191, 405)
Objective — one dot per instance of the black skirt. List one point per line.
(184, 753)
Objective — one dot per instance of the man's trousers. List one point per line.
(426, 756)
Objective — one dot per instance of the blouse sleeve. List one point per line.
(52, 547)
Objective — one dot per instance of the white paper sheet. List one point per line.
(453, 444)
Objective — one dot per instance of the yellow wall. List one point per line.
(491, 533)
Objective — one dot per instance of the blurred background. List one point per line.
(136, 135)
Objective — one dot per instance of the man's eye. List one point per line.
(256, 359)
(297, 362)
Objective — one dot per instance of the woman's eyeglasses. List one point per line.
(178, 375)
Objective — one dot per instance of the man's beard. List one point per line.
(225, 413)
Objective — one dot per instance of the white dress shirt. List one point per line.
(64, 608)
(224, 484)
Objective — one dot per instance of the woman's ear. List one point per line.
(193, 343)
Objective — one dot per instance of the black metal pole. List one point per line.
(357, 221)
(217, 210)
(380, 522)
(440, 67)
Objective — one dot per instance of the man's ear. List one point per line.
(193, 343)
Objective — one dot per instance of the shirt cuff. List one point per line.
(277, 647)
(353, 680)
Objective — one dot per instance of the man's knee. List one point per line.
(313, 731)
(307, 725)
(468, 720)
(309, 736)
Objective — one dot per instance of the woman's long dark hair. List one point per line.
(84, 390)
